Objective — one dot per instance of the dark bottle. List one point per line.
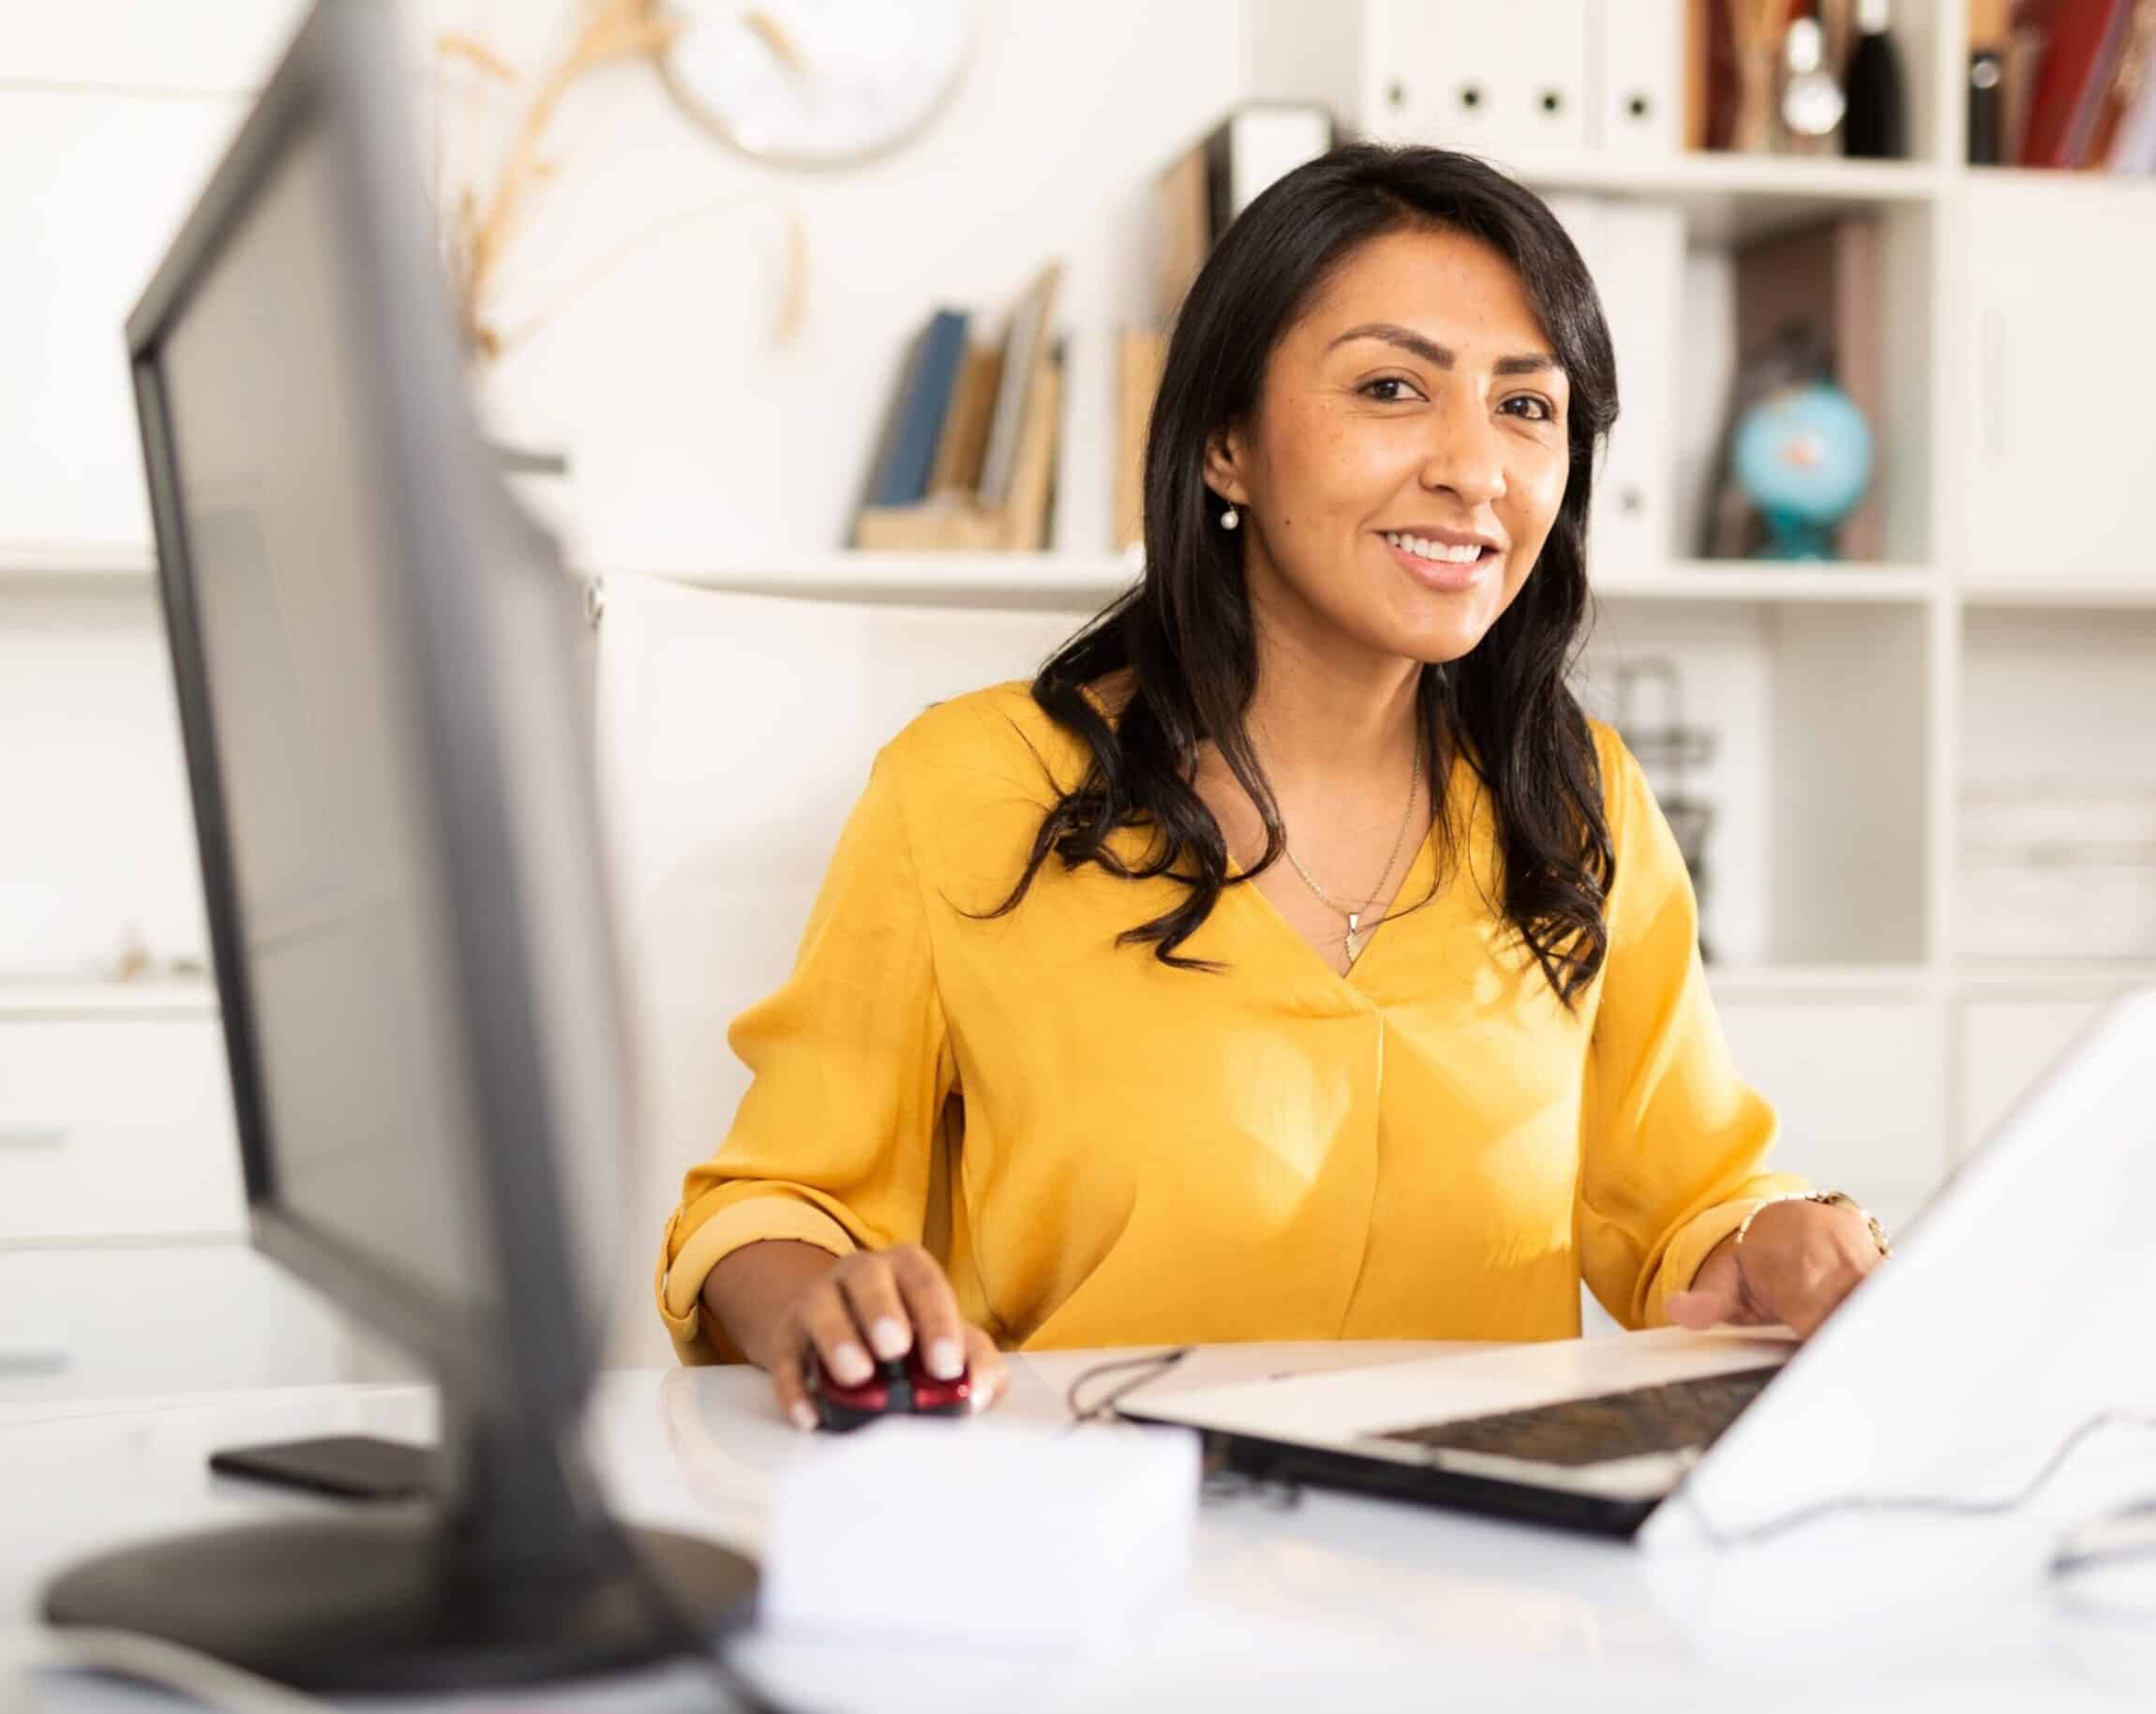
(1986, 111)
(1877, 123)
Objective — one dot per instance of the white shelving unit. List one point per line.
(21, 999)
(1078, 580)
(2015, 633)
(1853, 695)
(74, 564)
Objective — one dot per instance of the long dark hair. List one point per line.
(1186, 632)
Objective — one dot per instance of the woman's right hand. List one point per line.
(884, 1302)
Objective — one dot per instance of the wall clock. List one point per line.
(818, 82)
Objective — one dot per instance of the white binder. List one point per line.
(1082, 520)
(1509, 81)
(1268, 141)
(1637, 55)
(1636, 252)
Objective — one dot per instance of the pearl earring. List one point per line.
(1230, 519)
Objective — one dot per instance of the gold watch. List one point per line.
(1834, 1198)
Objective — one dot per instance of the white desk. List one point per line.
(1362, 1603)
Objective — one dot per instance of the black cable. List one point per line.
(1219, 1484)
(1154, 1367)
(1948, 1504)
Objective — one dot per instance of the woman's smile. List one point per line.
(1436, 566)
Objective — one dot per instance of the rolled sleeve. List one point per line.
(850, 1066)
(714, 1234)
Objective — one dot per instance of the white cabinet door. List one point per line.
(1855, 1081)
(2006, 1047)
(117, 1128)
(133, 1321)
(2059, 275)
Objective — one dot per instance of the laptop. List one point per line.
(1980, 1336)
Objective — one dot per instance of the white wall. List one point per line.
(694, 437)
(695, 440)
(93, 822)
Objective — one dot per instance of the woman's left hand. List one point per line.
(1801, 1259)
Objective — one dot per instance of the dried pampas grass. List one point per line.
(478, 233)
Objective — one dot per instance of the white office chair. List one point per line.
(735, 732)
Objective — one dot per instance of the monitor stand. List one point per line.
(515, 1575)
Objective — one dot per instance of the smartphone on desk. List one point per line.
(346, 1467)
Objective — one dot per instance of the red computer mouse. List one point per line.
(900, 1387)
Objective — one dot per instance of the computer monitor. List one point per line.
(386, 703)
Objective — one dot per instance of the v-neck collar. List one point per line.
(1412, 886)
(1419, 880)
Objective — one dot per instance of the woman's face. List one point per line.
(1419, 396)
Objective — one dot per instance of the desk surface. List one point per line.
(1369, 1603)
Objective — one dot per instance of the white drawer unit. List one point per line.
(132, 1320)
(2005, 1047)
(117, 1128)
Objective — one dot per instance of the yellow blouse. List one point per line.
(1103, 1150)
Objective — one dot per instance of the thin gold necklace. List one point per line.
(1355, 936)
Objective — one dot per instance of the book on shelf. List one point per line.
(1698, 74)
(907, 455)
(964, 438)
(2127, 133)
(1640, 61)
(2093, 62)
(1636, 252)
(1139, 351)
(1025, 343)
(2133, 149)
(1204, 188)
(981, 427)
(1083, 514)
(2018, 49)
(2102, 106)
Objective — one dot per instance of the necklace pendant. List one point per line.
(1353, 944)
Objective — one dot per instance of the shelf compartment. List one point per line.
(2056, 704)
(1818, 854)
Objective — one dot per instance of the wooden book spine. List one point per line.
(957, 469)
(1032, 475)
(1140, 352)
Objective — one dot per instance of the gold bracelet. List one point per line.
(1832, 1198)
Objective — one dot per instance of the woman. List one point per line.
(1070, 1057)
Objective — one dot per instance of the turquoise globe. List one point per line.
(1804, 455)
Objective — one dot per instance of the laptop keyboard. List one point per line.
(1662, 1419)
